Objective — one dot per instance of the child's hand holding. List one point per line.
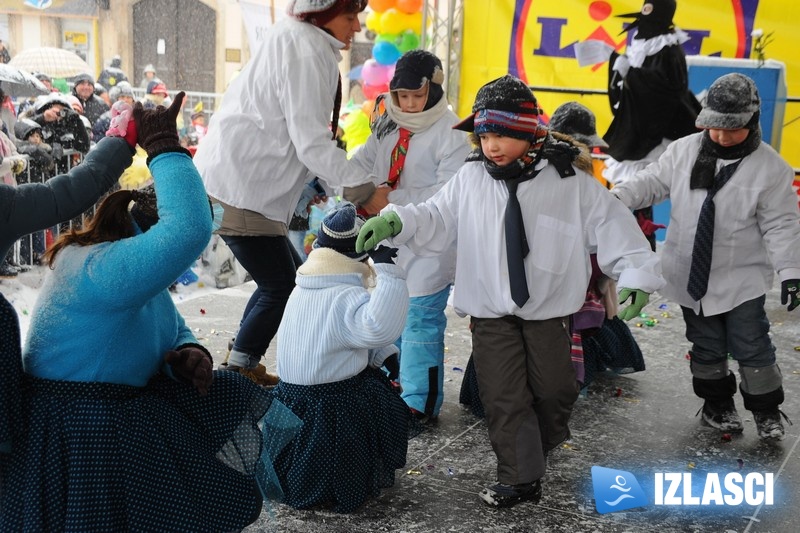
(122, 123)
(638, 298)
(790, 293)
(377, 229)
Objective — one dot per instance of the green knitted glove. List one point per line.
(639, 299)
(376, 229)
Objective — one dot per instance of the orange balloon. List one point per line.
(381, 5)
(409, 6)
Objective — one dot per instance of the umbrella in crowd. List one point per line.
(55, 62)
(17, 82)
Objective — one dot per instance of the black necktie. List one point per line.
(704, 236)
(516, 245)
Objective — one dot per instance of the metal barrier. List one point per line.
(27, 250)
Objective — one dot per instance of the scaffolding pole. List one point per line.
(442, 31)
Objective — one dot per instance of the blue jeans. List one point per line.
(743, 332)
(272, 262)
(422, 352)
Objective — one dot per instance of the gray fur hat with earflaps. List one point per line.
(732, 102)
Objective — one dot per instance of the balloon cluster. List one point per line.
(398, 26)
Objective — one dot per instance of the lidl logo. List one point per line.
(616, 490)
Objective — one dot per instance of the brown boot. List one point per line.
(258, 375)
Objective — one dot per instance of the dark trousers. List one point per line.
(272, 262)
(742, 332)
(528, 387)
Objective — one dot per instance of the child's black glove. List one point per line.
(790, 293)
(191, 365)
(392, 366)
(383, 254)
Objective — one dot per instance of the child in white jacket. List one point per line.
(414, 150)
(332, 341)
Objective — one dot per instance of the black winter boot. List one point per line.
(766, 414)
(719, 410)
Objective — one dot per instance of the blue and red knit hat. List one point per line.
(505, 106)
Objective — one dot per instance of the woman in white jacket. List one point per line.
(271, 134)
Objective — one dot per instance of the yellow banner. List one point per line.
(534, 39)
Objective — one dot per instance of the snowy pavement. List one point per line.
(641, 423)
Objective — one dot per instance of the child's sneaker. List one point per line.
(502, 495)
(769, 424)
(722, 415)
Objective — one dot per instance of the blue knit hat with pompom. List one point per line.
(339, 230)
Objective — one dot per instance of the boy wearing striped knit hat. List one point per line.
(524, 220)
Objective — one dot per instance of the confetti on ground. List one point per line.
(726, 437)
(740, 463)
(691, 466)
(202, 311)
(618, 393)
(413, 473)
(663, 306)
(456, 369)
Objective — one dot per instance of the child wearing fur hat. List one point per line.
(414, 150)
(157, 442)
(525, 220)
(355, 425)
(733, 222)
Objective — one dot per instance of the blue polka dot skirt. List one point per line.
(10, 377)
(354, 437)
(108, 457)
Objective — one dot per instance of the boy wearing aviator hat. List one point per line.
(414, 151)
(733, 222)
(524, 220)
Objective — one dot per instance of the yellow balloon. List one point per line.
(373, 21)
(415, 22)
(393, 21)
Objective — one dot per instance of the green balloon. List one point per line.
(408, 41)
(388, 37)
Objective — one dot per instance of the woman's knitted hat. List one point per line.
(339, 231)
(505, 106)
(320, 12)
(732, 102)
